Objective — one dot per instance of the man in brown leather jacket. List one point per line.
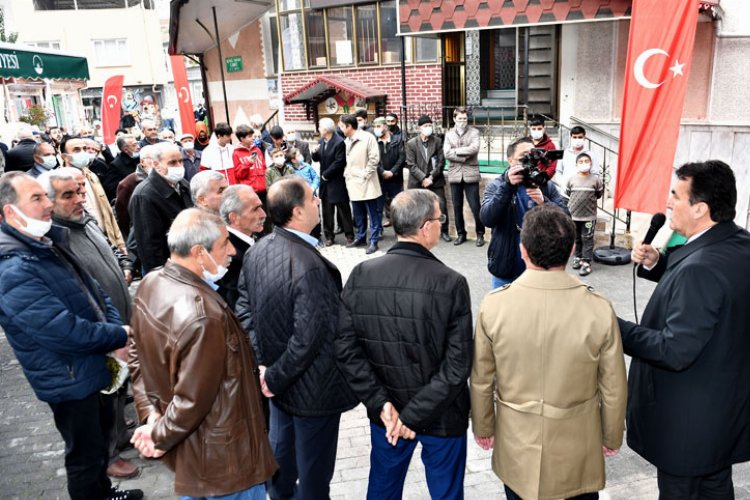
(194, 374)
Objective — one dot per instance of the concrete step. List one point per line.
(501, 94)
(499, 103)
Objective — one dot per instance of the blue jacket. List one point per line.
(503, 208)
(309, 174)
(60, 323)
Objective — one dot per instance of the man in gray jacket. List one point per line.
(461, 149)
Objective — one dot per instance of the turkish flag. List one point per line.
(660, 49)
(187, 118)
(111, 107)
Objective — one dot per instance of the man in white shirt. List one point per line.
(578, 144)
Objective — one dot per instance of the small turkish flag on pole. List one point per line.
(187, 118)
(660, 49)
(111, 107)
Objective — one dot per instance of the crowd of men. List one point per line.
(244, 346)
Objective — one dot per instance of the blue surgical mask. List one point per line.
(257, 143)
(49, 162)
(136, 155)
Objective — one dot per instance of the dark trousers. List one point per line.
(362, 210)
(511, 495)
(440, 192)
(119, 434)
(305, 449)
(585, 239)
(344, 215)
(85, 425)
(390, 190)
(472, 196)
(444, 461)
(716, 486)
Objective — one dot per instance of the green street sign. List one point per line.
(234, 64)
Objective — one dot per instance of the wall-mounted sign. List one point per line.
(234, 64)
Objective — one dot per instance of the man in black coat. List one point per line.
(405, 346)
(242, 212)
(21, 156)
(689, 382)
(289, 305)
(391, 167)
(123, 165)
(155, 204)
(331, 153)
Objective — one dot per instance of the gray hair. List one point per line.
(147, 123)
(24, 131)
(8, 193)
(327, 124)
(200, 182)
(231, 203)
(193, 227)
(122, 141)
(256, 121)
(58, 174)
(163, 147)
(410, 209)
(149, 152)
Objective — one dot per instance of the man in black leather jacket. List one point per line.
(405, 346)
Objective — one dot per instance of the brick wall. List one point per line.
(424, 84)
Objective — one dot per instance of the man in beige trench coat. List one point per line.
(557, 373)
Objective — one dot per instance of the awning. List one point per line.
(19, 61)
(323, 84)
(191, 22)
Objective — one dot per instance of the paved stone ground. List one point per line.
(31, 450)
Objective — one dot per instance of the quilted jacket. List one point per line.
(289, 305)
(56, 317)
(406, 337)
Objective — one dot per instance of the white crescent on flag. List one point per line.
(185, 97)
(641, 62)
(111, 101)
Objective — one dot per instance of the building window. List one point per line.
(52, 44)
(390, 44)
(112, 52)
(367, 34)
(340, 36)
(274, 28)
(293, 38)
(316, 39)
(426, 49)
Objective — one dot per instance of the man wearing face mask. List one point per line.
(194, 371)
(567, 168)
(391, 119)
(155, 204)
(61, 325)
(361, 116)
(123, 165)
(461, 148)
(293, 141)
(541, 140)
(425, 160)
(97, 204)
(391, 167)
(191, 157)
(44, 159)
(126, 187)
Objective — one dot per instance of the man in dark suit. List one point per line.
(331, 153)
(21, 156)
(689, 382)
(425, 160)
(242, 212)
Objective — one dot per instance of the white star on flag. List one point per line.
(677, 68)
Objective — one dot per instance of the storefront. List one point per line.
(42, 78)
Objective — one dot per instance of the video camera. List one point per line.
(533, 176)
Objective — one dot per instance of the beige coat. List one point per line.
(361, 172)
(102, 210)
(548, 350)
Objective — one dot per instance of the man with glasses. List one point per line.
(405, 348)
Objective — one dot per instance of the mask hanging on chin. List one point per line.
(212, 278)
(34, 227)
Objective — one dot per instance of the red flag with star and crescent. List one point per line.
(181, 87)
(660, 50)
(111, 107)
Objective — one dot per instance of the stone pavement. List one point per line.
(31, 450)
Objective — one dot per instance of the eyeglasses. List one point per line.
(442, 219)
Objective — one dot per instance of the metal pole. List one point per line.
(221, 64)
(404, 118)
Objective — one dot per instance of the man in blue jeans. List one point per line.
(505, 203)
(405, 347)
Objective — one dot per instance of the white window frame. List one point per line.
(107, 59)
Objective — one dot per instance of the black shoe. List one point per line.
(445, 237)
(461, 239)
(372, 248)
(480, 240)
(115, 493)
(356, 243)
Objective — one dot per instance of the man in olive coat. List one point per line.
(557, 374)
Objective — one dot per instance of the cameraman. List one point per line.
(505, 203)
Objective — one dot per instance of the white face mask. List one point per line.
(188, 145)
(537, 134)
(378, 132)
(583, 168)
(49, 162)
(300, 158)
(220, 271)
(174, 174)
(577, 143)
(80, 160)
(34, 227)
(427, 130)
(291, 137)
(279, 160)
(460, 126)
